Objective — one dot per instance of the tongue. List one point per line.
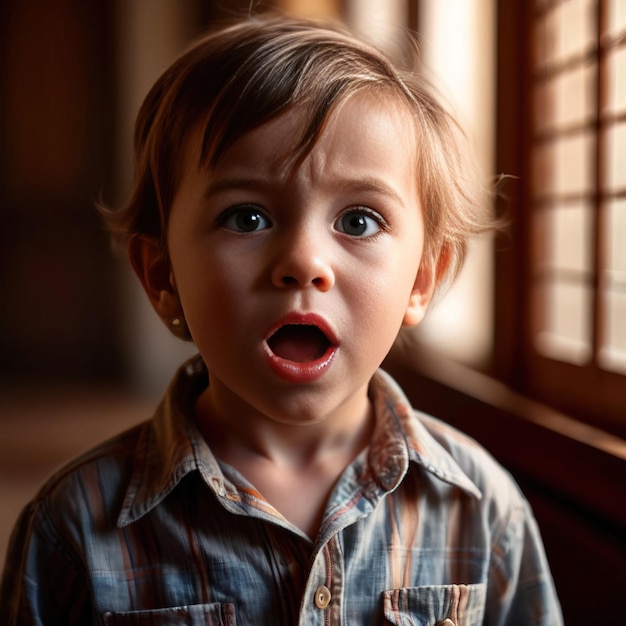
(298, 343)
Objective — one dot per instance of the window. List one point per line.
(569, 217)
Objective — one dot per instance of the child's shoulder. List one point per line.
(96, 479)
(454, 441)
(493, 480)
(446, 453)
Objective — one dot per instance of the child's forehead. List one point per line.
(288, 138)
(365, 150)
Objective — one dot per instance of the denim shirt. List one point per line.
(150, 528)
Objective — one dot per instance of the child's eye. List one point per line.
(244, 219)
(359, 223)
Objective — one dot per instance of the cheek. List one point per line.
(209, 294)
(380, 299)
(391, 294)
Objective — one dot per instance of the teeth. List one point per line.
(299, 342)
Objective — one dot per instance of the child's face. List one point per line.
(294, 285)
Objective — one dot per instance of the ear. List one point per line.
(155, 275)
(427, 279)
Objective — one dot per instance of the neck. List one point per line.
(294, 465)
(237, 433)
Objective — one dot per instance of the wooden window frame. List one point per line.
(586, 392)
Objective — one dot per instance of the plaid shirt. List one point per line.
(150, 528)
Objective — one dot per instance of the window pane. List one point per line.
(613, 354)
(567, 235)
(566, 99)
(564, 165)
(566, 332)
(616, 237)
(569, 29)
(617, 16)
(616, 163)
(617, 80)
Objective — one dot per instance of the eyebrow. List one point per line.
(229, 184)
(369, 185)
(355, 186)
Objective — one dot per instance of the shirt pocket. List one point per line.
(463, 605)
(215, 614)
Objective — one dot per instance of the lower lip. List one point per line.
(296, 372)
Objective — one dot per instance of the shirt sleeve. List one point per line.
(42, 583)
(521, 590)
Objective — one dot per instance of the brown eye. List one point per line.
(244, 219)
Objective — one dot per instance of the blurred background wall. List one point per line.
(58, 105)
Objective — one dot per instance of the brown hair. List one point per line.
(239, 77)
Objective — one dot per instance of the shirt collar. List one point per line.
(401, 437)
(170, 446)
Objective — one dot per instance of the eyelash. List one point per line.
(369, 213)
(241, 210)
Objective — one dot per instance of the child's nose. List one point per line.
(302, 261)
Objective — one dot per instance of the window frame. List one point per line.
(586, 392)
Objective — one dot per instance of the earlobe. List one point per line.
(428, 277)
(421, 296)
(154, 273)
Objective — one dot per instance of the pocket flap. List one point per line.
(464, 605)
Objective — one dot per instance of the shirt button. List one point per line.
(322, 597)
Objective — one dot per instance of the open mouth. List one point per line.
(301, 348)
(300, 343)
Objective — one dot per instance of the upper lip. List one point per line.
(305, 319)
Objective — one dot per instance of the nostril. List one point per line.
(291, 281)
(315, 274)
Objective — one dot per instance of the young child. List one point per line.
(298, 200)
